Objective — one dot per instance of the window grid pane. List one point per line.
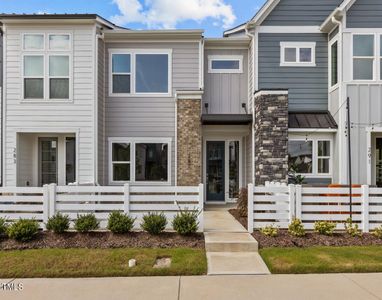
(363, 68)
(363, 45)
(151, 162)
(33, 88)
(59, 66)
(59, 41)
(33, 41)
(121, 152)
(121, 63)
(334, 63)
(33, 66)
(290, 55)
(59, 88)
(301, 156)
(225, 64)
(151, 74)
(121, 171)
(305, 55)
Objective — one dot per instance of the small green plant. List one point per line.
(23, 230)
(154, 223)
(324, 227)
(58, 223)
(270, 230)
(296, 228)
(186, 222)
(3, 226)
(86, 223)
(378, 232)
(294, 177)
(119, 222)
(351, 228)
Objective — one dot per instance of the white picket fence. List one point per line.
(278, 205)
(40, 203)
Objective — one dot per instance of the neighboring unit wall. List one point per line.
(225, 93)
(248, 158)
(101, 113)
(301, 12)
(308, 86)
(151, 116)
(1, 101)
(365, 14)
(69, 116)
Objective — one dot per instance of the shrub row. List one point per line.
(23, 230)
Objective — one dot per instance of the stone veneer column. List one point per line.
(271, 136)
(189, 142)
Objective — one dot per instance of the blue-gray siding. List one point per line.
(365, 14)
(308, 86)
(301, 12)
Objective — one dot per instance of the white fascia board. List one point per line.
(271, 92)
(264, 11)
(189, 95)
(289, 29)
(310, 130)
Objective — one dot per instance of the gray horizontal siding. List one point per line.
(365, 14)
(101, 112)
(226, 92)
(308, 86)
(301, 12)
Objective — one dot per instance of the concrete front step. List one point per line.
(236, 263)
(230, 242)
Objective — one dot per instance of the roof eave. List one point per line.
(122, 34)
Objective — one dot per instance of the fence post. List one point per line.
(292, 201)
(201, 207)
(250, 216)
(298, 199)
(45, 195)
(126, 198)
(52, 199)
(365, 208)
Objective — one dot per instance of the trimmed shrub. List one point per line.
(23, 230)
(58, 223)
(3, 226)
(378, 232)
(154, 223)
(270, 230)
(119, 222)
(296, 228)
(324, 227)
(186, 222)
(242, 202)
(351, 228)
(86, 223)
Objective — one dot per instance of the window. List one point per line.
(33, 77)
(46, 75)
(334, 63)
(140, 72)
(363, 57)
(297, 54)
(33, 42)
(140, 160)
(59, 77)
(310, 157)
(225, 64)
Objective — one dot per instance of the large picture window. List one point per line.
(140, 72)
(140, 160)
(310, 157)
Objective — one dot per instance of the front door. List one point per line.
(215, 172)
(378, 162)
(47, 160)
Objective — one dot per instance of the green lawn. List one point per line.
(323, 259)
(99, 262)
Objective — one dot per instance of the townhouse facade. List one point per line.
(87, 102)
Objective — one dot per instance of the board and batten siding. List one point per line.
(300, 12)
(151, 116)
(72, 116)
(365, 14)
(225, 92)
(308, 86)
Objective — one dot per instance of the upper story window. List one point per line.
(333, 57)
(225, 64)
(46, 66)
(298, 54)
(363, 56)
(140, 72)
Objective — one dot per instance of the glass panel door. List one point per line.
(215, 171)
(70, 160)
(378, 162)
(47, 160)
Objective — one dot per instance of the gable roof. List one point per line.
(337, 13)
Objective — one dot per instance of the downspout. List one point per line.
(252, 99)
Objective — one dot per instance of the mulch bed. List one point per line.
(103, 240)
(284, 239)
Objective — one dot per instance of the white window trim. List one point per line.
(331, 42)
(376, 52)
(315, 156)
(133, 53)
(212, 58)
(132, 142)
(46, 53)
(297, 46)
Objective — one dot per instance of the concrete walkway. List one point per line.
(259, 287)
(230, 249)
